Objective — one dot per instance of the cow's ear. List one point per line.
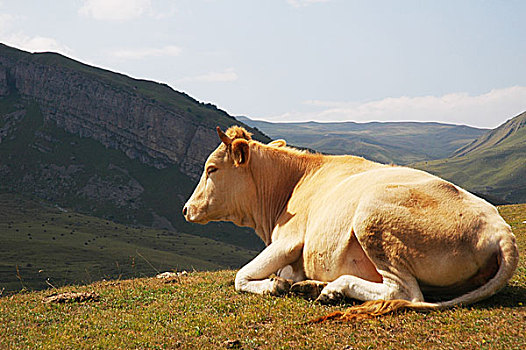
(240, 152)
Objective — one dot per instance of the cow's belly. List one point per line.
(326, 257)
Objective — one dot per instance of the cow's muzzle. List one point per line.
(193, 214)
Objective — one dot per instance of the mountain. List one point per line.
(104, 144)
(494, 164)
(490, 163)
(146, 120)
(506, 136)
(395, 142)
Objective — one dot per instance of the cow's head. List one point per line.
(226, 186)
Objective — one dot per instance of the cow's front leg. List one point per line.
(253, 276)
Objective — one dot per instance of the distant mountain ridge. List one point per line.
(490, 163)
(389, 142)
(493, 164)
(502, 135)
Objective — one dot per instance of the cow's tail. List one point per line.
(375, 308)
(508, 260)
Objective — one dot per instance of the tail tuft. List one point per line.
(374, 308)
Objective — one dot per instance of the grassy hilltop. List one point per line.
(202, 310)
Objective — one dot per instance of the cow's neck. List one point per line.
(276, 173)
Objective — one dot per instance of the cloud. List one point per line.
(303, 3)
(115, 10)
(141, 53)
(227, 75)
(35, 43)
(486, 110)
(25, 42)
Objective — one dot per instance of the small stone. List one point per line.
(166, 275)
(71, 297)
(171, 277)
(232, 344)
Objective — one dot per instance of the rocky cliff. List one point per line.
(105, 144)
(3, 82)
(148, 121)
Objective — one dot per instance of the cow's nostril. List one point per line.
(184, 211)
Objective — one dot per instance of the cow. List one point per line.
(340, 227)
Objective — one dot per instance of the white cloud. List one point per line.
(227, 75)
(35, 43)
(140, 53)
(25, 42)
(115, 10)
(303, 3)
(486, 110)
(22, 41)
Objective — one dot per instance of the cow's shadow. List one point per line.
(511, 296)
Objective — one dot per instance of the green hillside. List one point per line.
(399, 143)
(202, 311)
(507, 135)
(43, 245)
(494, 164)
(40, 160)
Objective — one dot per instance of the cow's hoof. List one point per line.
(330, 298)
(280, 286)
(308, 289)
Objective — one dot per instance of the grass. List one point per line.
(44, 245)
(202, 310)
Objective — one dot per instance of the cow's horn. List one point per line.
(226, 140)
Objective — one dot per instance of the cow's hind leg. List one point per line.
(308, 289)
(357, 288)
(293, 272)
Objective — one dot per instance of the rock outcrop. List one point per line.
(158, 126)
(3, 82)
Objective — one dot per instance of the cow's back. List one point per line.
(400, 217)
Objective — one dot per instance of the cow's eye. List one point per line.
(210, 170)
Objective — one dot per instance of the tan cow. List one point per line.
(343, 226)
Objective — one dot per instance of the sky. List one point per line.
(459, 62)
